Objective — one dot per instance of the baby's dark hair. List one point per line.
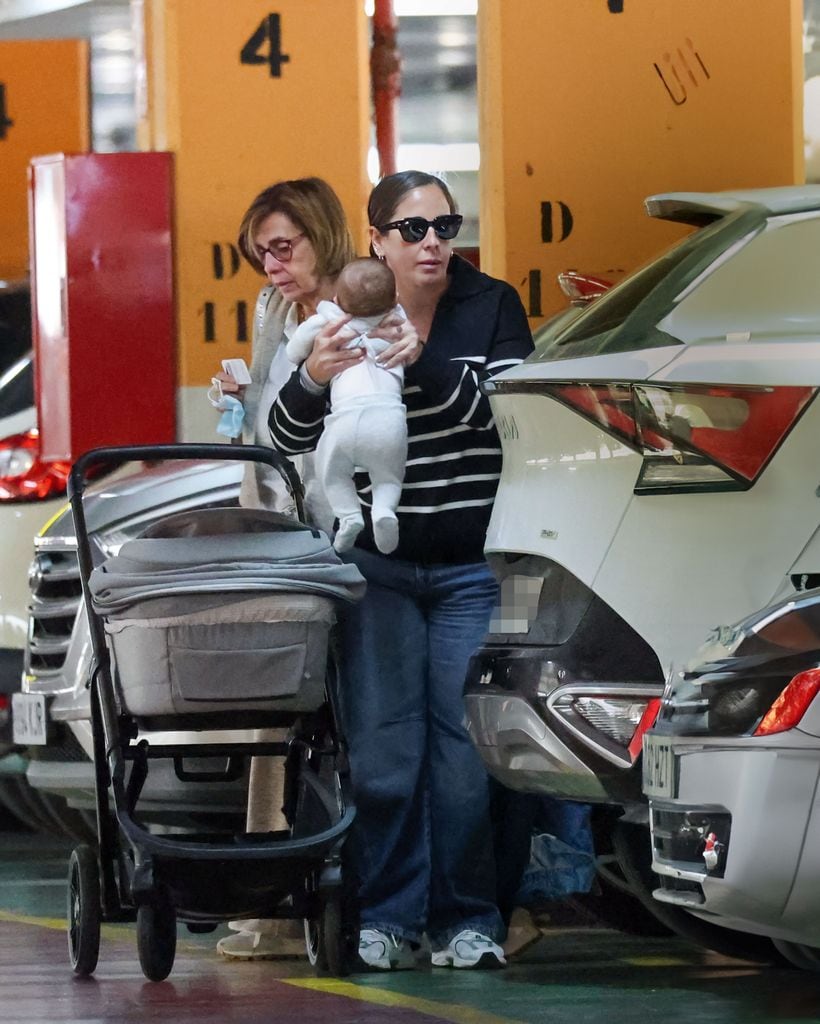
(366, 287)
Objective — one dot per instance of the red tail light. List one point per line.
(581, 289)
(792, 703)
(24, 476)
(645, 724)
(692, 436)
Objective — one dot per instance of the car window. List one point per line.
(767, 289)
(627, 317)
(797, 631)
(17, 388)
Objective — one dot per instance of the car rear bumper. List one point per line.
(760, 805)
(549, 701)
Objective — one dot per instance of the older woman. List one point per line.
(422, 840)
(294, 232)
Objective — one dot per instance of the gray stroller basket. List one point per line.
(222, 609)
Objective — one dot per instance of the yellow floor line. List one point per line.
(383, 997)
(59, 923)
(655, 961)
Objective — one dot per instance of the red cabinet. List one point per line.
(102, 300)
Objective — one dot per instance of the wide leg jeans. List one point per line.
(422, 840)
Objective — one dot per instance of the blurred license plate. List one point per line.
(28, 719)
(658, 767)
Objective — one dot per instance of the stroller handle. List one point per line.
(114, 456)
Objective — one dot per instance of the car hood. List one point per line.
(138, 490)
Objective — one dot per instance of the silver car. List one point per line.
(55, 698)
(731, 769)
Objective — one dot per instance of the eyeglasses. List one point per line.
(280, 248)
(414, 229)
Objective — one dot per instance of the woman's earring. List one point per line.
(380, 257)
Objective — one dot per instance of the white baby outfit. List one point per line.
(366, 429)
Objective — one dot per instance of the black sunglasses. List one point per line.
(414, 229)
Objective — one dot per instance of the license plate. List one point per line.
(658, 767)
(28, 719)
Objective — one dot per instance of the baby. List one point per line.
(367, 425)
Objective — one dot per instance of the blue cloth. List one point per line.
(233, 413)
(562, 853)
(421, 839)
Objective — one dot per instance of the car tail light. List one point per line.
(613, 723)
(581, 289)
(792, 703)
(692, 436)
(24, 476)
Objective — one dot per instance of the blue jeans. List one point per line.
(422, 843)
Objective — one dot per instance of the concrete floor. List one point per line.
(570, 976)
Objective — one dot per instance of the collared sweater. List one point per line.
(454, 454)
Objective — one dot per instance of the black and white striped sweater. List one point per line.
(454, 455)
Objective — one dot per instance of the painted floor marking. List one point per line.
(60, 924)
(383, 997)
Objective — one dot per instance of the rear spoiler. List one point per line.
(699, 208)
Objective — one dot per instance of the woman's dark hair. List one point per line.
(313, 207)
(390, 191)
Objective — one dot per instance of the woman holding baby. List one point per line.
(422, 843)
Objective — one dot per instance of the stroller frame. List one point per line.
(135, 875)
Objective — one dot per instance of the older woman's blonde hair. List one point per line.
(314, 208)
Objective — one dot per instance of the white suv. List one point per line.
(661, 476)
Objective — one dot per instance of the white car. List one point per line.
(660, 477)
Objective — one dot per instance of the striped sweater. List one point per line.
(454, 454)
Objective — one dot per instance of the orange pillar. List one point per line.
(43, 109)
(588, 106)
(245, 97)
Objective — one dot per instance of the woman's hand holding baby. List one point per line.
(330, 354)
(405, 345)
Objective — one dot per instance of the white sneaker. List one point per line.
(283, 941)
(470, 950)
(385, 952)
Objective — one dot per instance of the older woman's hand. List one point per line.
(330, 354)
(406, 346)
(229, 385)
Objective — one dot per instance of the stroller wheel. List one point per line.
(156, 937)
(84, 911)
(313, 945)
(325, 939)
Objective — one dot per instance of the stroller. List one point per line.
(215, 619)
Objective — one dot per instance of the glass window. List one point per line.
(767, 289)
(628, 317)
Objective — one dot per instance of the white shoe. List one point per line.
(276, 943)
(470, 950)
(385, 952)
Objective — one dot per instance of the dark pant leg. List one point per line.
(382, 695)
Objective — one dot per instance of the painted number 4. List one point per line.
(5, 120)
(267, 36)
